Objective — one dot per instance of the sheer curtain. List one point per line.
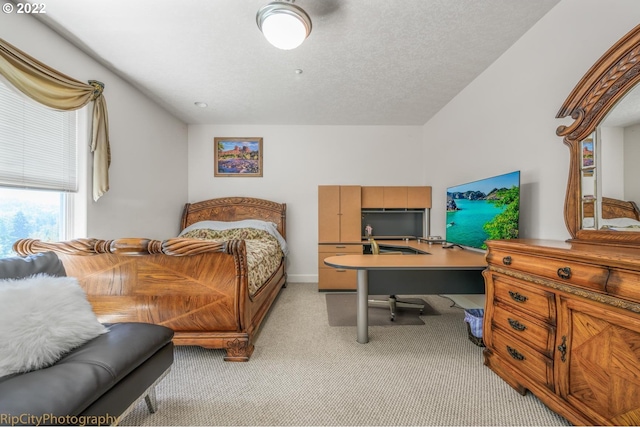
(58, 91)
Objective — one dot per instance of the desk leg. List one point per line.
(362, 319)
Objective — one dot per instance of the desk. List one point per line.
(460, 268)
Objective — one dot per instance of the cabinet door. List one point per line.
(328, 213)
(350, 214)
(394, 197)
(598, 360)
(418, 197)
(372, 198)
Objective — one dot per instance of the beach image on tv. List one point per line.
(482, 210)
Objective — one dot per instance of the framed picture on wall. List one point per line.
(237, 157)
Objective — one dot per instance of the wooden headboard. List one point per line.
(235, 209)
(614, 208)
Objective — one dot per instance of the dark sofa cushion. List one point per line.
(81, 377)
(21, 267)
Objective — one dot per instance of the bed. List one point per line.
(197, 284)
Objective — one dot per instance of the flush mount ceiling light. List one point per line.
(284, 24)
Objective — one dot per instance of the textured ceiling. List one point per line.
(366, 62)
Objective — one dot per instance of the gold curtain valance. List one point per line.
(61, 92)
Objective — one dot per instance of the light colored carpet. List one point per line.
(304, 372)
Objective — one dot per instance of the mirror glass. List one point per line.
(610, 169)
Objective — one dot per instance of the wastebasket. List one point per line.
(474, 319)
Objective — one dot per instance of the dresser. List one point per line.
(562, 320)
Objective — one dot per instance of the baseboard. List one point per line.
(302, 278)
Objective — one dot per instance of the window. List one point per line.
(38, 170)
(30, 214)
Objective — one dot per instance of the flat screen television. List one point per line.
(487, 209)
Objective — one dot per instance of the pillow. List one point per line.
(41, 319)
(270, 227)
(225, 225)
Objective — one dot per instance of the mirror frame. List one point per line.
(606, 82)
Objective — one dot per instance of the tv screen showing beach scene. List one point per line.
(488, 209)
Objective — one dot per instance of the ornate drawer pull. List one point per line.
(562, 348)
(564, 273)
(506, 260)
(515, 354)
(516, 325)
(517, 297)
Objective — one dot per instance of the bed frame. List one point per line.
(615, 208)
(195, 287)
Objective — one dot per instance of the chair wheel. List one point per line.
(393, 318)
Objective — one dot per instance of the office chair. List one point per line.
(392, 302)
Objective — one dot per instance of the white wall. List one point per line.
(148, 174)
(299, 158)
(505, 119)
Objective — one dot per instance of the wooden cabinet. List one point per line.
(340, 228)
(339, 232)
(339, 210)
(396, 197)
(563, 321)
(372, 197)
(419, 197)
(332, 279)
(600, 375)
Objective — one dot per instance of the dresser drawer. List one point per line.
(337, 279)
(340, 249)
(537, 334)
(525, 360)
(624, 284)
(519, 295)
(573, 273)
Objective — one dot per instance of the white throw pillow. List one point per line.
(41, 319)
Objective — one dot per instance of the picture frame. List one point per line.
(237, 157)
(588, 157)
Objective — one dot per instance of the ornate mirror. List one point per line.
(603, 191)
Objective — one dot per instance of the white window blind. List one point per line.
(37, 144)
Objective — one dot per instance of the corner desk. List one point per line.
(434, 270)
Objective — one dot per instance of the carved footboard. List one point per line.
(198, 288)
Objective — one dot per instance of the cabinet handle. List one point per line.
(515, 354)
(516, 325)
(562, 348)
(506, 260)
(340, 247)
(340, 271)
(340, 254)
(517, 297)
(564, 273)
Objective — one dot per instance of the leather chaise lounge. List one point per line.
(95, 383)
